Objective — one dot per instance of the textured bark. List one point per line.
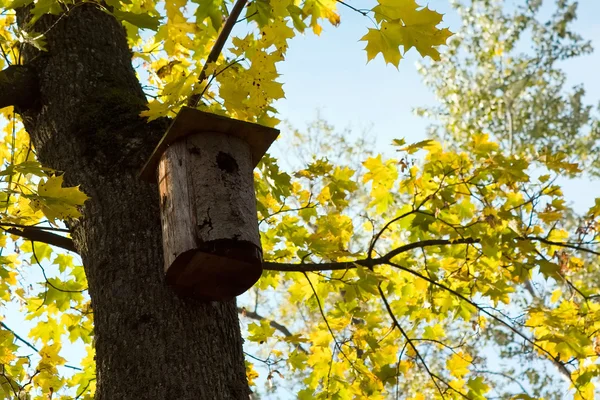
(150, 344)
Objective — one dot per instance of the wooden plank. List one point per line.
(178, 217)
(211, 239)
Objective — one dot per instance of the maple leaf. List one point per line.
(57, 202)
(391, 10)
(458, 364)
(210, 9)
(50, 356)
(379, 41)
(404, 24)
(143, 20)
(277, 33)
(477, 387)
(421, 35)
(321, 9)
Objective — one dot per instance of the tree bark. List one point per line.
(150, 344)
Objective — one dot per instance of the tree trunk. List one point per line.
(150, 344)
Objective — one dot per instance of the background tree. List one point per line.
(501, 74)
(381, 277)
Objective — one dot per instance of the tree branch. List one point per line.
(37, 227)
(560, 244)
(213, 56)
(39, 235)
(366, 262)
(258, 317)
(281, 328)
(18, 86)
(31, 346)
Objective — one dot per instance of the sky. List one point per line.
(330, 74)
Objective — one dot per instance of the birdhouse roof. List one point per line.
(191, 121)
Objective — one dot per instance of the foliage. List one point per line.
(383, 275)
(501, 75)
(446, 252)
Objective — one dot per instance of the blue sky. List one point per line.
(330, 74)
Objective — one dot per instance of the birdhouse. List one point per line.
(204, 169)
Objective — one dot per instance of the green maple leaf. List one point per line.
(18, 4)
(43, 7)
(477, 388)
(144, 21)
(210, 9)
(63, 261)
(260, 333)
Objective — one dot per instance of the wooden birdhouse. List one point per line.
(204, 170)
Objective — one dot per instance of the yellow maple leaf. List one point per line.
(379, 41)
(57, 202)
(421, 35)
(404, 23)
(390, 10)
(321, 9)
(458, 364)
(50, 357)
(277, 33)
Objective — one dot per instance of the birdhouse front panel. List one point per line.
(210, 231)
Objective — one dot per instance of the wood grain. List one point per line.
(208, 211)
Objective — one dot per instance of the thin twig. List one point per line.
(84, 389)
(483, 310)
(560, 244)
(322, 311)
(31, 346)
(281, 328)
(281, 210)
(506, 376)
(385, 227)
(409, 341)
(19, 338)
(212, 78)
(213, 56)
(363, 12)
(46, 278)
